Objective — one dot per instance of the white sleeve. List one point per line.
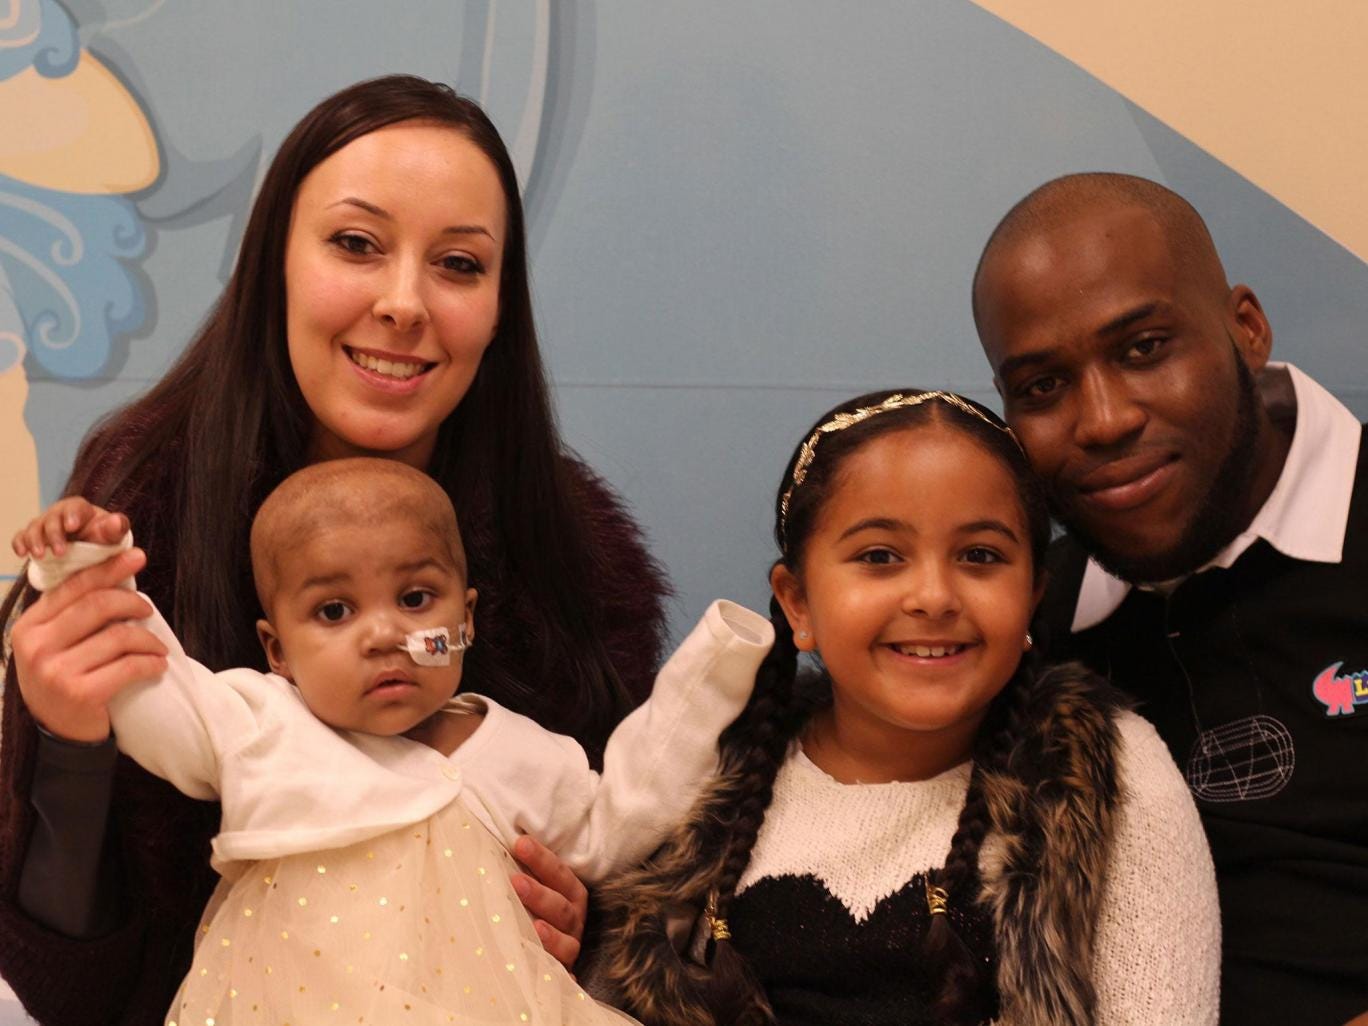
(176, 725)
(1158, 955)
(530, 781)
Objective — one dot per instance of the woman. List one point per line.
(379, 306)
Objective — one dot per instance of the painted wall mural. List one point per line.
(73, 144)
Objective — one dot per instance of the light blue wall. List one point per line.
(740, 213)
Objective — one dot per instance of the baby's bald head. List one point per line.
(359, 492)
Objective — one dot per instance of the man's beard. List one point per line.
(1221, 515)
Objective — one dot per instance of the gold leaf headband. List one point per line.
(841, 421)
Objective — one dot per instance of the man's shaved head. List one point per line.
(363, 492)
(1063, 200)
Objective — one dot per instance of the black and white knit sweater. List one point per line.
(832, 908)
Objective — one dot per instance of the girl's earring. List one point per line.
(1029, 642)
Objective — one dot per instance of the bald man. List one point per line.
(1216, 561)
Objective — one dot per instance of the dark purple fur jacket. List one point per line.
(129, 977)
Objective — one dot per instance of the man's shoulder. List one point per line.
(1064, 565)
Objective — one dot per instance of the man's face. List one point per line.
(1126, 371)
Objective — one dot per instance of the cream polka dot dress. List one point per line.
(420, 925)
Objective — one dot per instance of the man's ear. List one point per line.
(275, 652)
(1253, 335)
(789, 591)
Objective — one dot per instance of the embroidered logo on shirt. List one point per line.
(1242, 761)
(1340, 694)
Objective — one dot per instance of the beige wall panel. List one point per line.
(1275, 89)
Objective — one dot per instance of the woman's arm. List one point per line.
(1158, 948)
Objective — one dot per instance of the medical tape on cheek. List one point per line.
(431, 647)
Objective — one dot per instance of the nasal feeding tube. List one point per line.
(433, 646)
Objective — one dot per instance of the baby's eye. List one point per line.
(418, 598)
(332, 612)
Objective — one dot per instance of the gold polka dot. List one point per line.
(334, 919)
(438, 970)
(480, 870)
(209, 1021)
(204, 972)
(232, 992)
(352, 888)
(546, 977)
(495, 918)
(466, 988)
(465, 902)
(267, 880)
(403, 956)
(303, 902)
(384, 901)
(322, 870)
(522, 1017)
(317, 953)
(268, 970)
(370, 854)
(446, 852)
(509, 966)
(247, 912)
(408, 1007)
(335, 1006)
(366, 935)
(479, 951)
(226, 942)
(284, 934)
(351, 968)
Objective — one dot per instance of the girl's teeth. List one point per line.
(389, 368)
(930, 651)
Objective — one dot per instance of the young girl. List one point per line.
(938, 830)
(366, 811)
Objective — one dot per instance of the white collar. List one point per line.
(1307, 513)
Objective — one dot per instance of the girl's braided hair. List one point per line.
(701, 865)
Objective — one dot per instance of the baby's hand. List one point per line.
(80, 645)
(72, 519)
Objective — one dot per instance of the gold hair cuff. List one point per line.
(718, 925)
(843, 420)
(937, 900)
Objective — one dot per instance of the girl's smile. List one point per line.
(916, 588)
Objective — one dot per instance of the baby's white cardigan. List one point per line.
(290, 784)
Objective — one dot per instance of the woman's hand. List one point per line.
(555, 897)
(68, 519)
(75, 649)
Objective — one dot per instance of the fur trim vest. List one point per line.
(1043, 866)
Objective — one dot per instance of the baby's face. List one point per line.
(345, 600)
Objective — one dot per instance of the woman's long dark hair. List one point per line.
(704, 861)
(228, 422)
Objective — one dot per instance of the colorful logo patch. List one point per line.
(1340, 693)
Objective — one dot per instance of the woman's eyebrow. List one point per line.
(383, 214)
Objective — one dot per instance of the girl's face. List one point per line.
(392, 270)
(916, 587)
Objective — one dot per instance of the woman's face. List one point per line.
(392, 269)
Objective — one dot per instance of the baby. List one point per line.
(367, 807)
